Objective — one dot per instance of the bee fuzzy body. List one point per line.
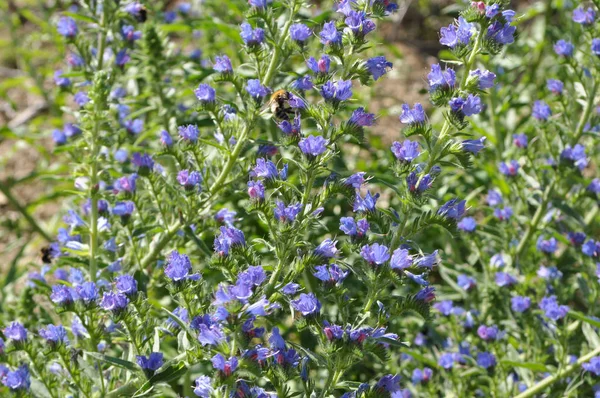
(279, 104)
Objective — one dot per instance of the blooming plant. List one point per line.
(219, 242)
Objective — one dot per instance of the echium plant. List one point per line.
(217, 244)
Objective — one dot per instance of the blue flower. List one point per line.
(546, 245)
(473, 146)
(210, 335)
(421, 376)
(321, 66)
(555, 86)
(81, 98)
(465, 282)
(332, 274)
(130, 34)
(75, 60)
(326, 249)
(412, 117)
(255, 89)
(142, 160)
(591, 248)
(419, 279)
(205, 93)
(596, 46)
(307, 304)
(564, 48)
(455, 35)
(488, 333)
(503, 214)
(259, 3)
(16, 332)
(501, 33)
(18, 379)
(114, 302)
(492, 10)
(593, 366)
(520, 303)
(594, 186)
(337, 91)
(287, 214)
(375, 254)
(377, 66)
(59, 137)
(552, 309)
(367, 204)
(126, 284)
(584, 16)
(505, 279)
(256, 190)
(428, 261)
(62, 295)
(355, 181)
(67, 27)
(300, 32)
(303, 83)
(122, 58)
(203, 387)
(313, 146)
(358, 23)
(407, 151)
(439, 79)
(467, 107)
(576, 155)
(509, 169)
(453, 209)
(353, 228)
(188, 133)
(330, 35)
(134, 8)
(520, 140)
(467, 224)
(486, 360)
(252, 37)
(401, 260)
(178, 266)
(389, 383)
(188, 179)
(87, 292)
(150, 363)
(222, 64)
(227, 367)
(61, 81)
(427, 295)
(361, 118)
(447, 360)
(485, 78)
(229, 237)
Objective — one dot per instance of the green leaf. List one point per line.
(537, 367)
(121, 363)
(583, 318)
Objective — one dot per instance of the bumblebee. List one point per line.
(46, 255)
(280, 106)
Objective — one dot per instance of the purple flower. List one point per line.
(61, 295)
(576, 238)
(426, 294)
(18, 379)
(485, 78)
(594, 186)
(419, 279)
(486, 360)
(330, 35)
(555, 86)
(337, 91)
(541, 110)
(401, 260)
(303, 83)
(520, 140)
(130, 34)
(467, 107)
(502, 33)
(503, 214)
(75, 60)
(331, 274)
(358, 23)
(584, 16)
(178, 266)
(313, 145)
(122, 58)
(407, 151)
(412, 117)
(428, 261)
(188, 179)
(466, 282)
(255, 89)
(355, 181)
(439, 79)
(114, 302)
(256, 190)
(421, 376)
(150, 363)
(210, 335)
(389, 383)
(59, 137)
(473, 146)
(203, 387)
(259, 3)
(16, 332)
(520, 303)
(361, 118)
(353, 228)
(286, 214)
(252, 37)
(126, 284)
(576, 155)
(375, 254)
(596, 46)
(126, 183)
(205, 94)
(326, 249)
(134, 8)
(367, 204)
(307, 304)
(546, 245)
(61, 81)
(505, 279)
(188, 133)
(67, 27)
(319, 67)
(552, 309)
(467, 224)
(142, 160)
(509, 169)
(593, 366)
(591, 248)
(445, 307)
(488, 333)
(290, 288)
(227, 367)
(564, 48)
(87, 292)
(81, 98)
(300, 32)
(453, 209)
(447, 360)
(165, 138)
(222, 64)
(455, 35)
(377, 66)
(54, 334)
(490, 11)
(229, 237)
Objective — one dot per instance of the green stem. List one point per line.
(548, 381)
(274, 64)
(23, 210)
(589, 105)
